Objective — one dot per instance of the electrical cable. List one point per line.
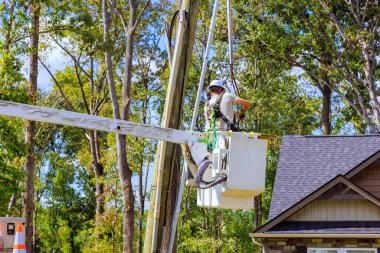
(172, 22)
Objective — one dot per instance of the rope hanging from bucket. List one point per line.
(231, 47)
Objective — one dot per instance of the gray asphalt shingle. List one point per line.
(308, 162)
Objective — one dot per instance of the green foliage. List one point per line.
(12, 82)
(11, 160)
(329, 43)
(12, 88)
(67, 205)
(274, 39)
(213, 230)
(105, 235)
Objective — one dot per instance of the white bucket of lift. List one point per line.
(243, 159)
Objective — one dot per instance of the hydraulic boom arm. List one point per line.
(87, 121)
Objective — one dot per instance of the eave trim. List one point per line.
(273, 235)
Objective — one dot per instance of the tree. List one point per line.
(11, 159)
(149, 65)
(31, 127)
(82, 86)
(334, 42)
(125, 172)
(12, 87)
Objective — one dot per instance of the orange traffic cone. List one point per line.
(19, 245)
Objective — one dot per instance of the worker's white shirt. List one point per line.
(226, 108)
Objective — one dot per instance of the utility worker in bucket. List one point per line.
(220, 113)
(219, 107)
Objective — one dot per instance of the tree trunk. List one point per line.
(369, 71)
(127, 74)
(258, 205)
(72, 237)
(326, 110)
(143, 179)
(325, 87)
(125, 173)
(35, 213)
(7, 43)
(12, 203)
(31, 130)
(98, 171)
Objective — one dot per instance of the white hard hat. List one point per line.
(217, 83)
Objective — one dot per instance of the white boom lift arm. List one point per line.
(117, 126)
(75, 119)
(93, 122)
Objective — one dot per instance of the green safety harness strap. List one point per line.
(211, 144)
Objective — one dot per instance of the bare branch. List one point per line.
(73, 58)
(112, 9)
(138, 19)
(123, 21)
(337, 25)
(365, 11)
(354, 14)
(40, 32)
(81, 89)
(70, 107)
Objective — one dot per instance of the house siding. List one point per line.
(369, 179)
(338, 210)
(300, 245)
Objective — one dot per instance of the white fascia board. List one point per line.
(272, 235)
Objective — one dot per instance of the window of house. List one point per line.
(322, 251)
(340, 250)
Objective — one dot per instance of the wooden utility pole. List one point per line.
(166, 177)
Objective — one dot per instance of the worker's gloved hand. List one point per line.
(215, 100)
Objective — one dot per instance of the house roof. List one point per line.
(308, 162)
(278, 220)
